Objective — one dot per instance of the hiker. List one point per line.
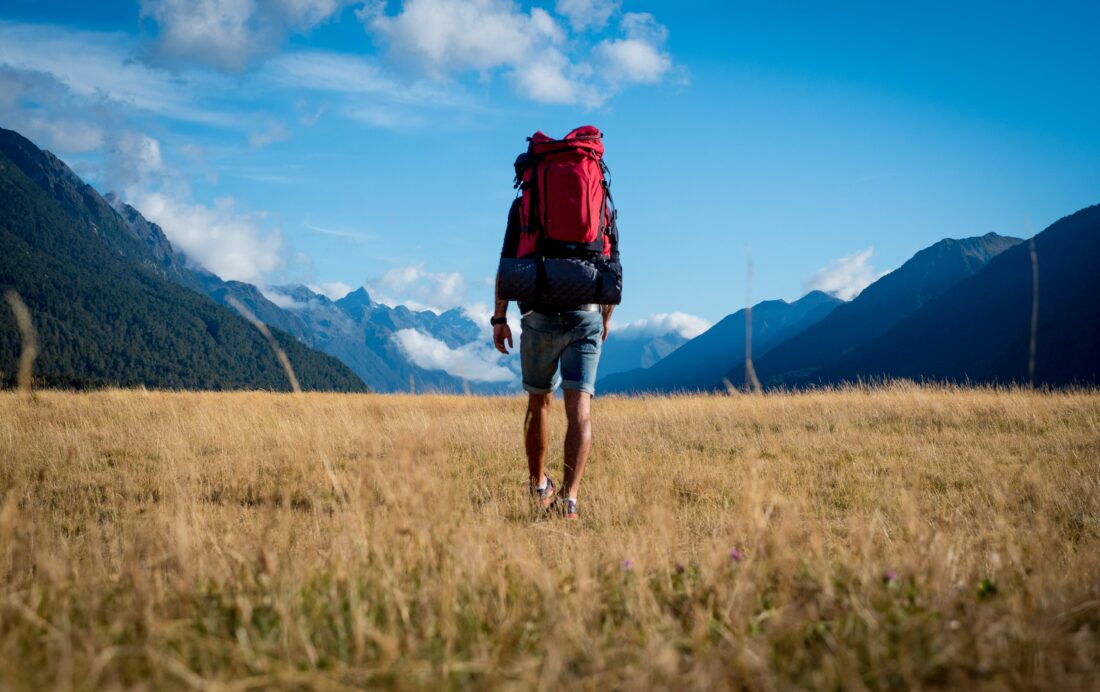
(559, 261)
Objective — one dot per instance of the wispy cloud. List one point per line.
(846, 277)
(274, 132)
(340, 232)
(99, 66)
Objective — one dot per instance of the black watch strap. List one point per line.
(494, 321)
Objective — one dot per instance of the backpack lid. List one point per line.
(586, 138)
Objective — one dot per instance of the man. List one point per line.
(554, 336)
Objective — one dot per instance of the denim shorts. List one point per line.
(571, 339)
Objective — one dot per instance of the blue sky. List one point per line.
(341, 144)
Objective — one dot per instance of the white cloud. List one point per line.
(135, 158)
(587, 14)
(634, 60)
(228, 242)
(550, 78)
(333, 290)
(275, 132)
(534, 51)
(229, 34)
(687, 326)
(475, 361)
(419, 289)
(846, 277)
(327, 71)
(340, 232)
(644, 27)
(371, 94)
(638, 58)
(480, 313)
(453, 35)
(45, 110)
(281, 299)
(98, 67)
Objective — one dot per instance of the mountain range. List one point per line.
(959, 311)
(886, 302)
(980, 330)
(115, 304)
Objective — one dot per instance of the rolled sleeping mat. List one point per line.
(553, 281)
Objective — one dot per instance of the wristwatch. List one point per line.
(494, 321)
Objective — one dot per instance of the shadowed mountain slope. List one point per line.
(880, 306)
(701, 363)
(106, 299)
(980, 330)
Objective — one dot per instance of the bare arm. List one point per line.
(606, 310)
(501, 332)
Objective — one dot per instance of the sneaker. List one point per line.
(544, 496)
(567, 508)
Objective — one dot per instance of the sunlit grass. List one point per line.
(883, 538)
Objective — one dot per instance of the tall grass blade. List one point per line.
(1033, 345)
(29, 337)
(279, 352)
(751, 380)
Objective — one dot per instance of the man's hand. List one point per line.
(502, 333)
(607, 310)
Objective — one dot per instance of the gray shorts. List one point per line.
(571, 339)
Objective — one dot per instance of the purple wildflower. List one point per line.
(889, 577)
(628, 565)
(736, 555)
(680, 568)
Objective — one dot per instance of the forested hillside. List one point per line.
(104, 312)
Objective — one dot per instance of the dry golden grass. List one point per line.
(887, 539)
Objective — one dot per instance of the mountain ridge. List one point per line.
(105, 313)
(938, 341)
(926, 275)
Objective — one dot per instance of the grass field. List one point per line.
(894, 538)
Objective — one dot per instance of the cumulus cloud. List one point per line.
(231, 243)
(229, 34)
(687, 326)
(475, 361)
(587, 14)
(846, 277)
(333, 290)
(639, 57)
(419, 289)
(533, 50)
(454, 35)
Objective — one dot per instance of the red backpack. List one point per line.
(566, 209)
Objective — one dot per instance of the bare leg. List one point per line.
(537, 433)
(578, 438)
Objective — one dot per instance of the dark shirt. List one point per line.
(511, 243)
(511, 233)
